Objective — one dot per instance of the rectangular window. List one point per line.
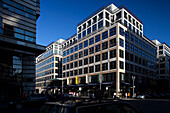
(85, 61)
(89, 30)
(71, 50)
(97, 48)
(67, 59)
(91, 69)
(125, 23)
(75, 64)
(121, 65)
(97, 68)
(105, 35)
(135, 50)
(97, 58)
(80, 63)
(134, 29)
(79, 35)
(136, 40)
(104, 66)
(64, 60)
(91, 50)
(91, 41)
(104, 45)
(113, 65)
(94, 28)
(71, 58)
(75, 56)
(91, 60)
(80, 54)
(121, 31)
(86, 52)
(121, 53)
(126, 45)
(80, 71)
(131, 38)
(71, 65)
(112, 31)
(131, 47)
(85, 70)
(30, 33)
(75, 72)
(75, 48)
(100, 24)
(68, 52)
(86, 43)
(97, 38)
(113, 42)
(20, 36)
(130, 26)
(127, 35)
(80, 46)
(64, 53)
(84, 33)
(113, 53)
(105, 56)
(121, 42)
(19, 30)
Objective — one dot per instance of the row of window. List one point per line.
(89, 23)
(137, 41)
(132, 20)
(47, 61)
(97, 57)
(140, 52)
(137, 69)
(92, 69)
(19, 9)
(45, 68)
(91, 41)
(139, 60)
(45, 73)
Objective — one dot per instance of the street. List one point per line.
(146, 106)
(151, 105)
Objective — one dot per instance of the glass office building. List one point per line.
(49, 68)
(18, 47)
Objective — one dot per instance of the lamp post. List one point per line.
(133, 78)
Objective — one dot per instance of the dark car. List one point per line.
(37, 97)
(95, 106)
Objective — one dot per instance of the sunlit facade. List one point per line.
(109, 48)
(49, 67)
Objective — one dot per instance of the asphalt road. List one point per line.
(146, 106)
(151, 105)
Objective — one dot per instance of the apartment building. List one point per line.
(49, 68)
(18, 47)
(108, 49)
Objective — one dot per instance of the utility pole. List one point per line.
(133, 78)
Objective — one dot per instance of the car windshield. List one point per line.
(49, 109)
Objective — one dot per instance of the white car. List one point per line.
(141, 96)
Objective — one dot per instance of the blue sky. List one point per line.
(59, 18)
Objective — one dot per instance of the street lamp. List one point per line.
(133, 78)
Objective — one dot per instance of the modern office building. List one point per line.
(163, 65)
(49, 68)
(18, 47)
(109, 48)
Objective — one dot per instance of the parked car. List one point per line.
(142, 96)
(37, 97)
(95, 106)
